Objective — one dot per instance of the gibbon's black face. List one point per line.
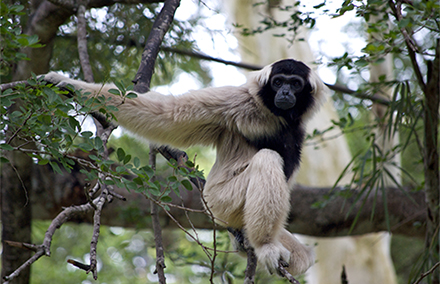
(288, 91)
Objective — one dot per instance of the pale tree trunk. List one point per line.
(366, 258)
(386, 140)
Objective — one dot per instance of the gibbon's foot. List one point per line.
(238, 242)
(271, 254)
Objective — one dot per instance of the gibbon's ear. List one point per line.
(320, 90)
(260, 77)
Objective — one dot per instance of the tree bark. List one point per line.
(431, 161)
(16, 191)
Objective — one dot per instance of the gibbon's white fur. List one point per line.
(249, 185)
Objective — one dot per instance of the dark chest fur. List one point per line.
(287, 142)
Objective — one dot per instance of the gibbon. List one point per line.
(257, 129)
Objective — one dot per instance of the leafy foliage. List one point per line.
(122, 32)
(12, 37)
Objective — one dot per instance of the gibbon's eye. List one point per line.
(297, 83)
(277, 82)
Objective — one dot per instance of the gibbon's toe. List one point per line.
(270, 255)
(301, 260)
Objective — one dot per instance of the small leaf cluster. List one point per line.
(289, 27)
(38, 119)
(128, 173)
(12, 38)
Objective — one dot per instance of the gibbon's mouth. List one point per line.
(285, 104)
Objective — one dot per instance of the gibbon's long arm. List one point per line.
(196, 117)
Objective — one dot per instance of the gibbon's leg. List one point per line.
(266, 208)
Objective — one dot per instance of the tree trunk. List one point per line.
(431, 161)
(16, 213)
(16, 186)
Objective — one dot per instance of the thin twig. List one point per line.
(410, 43)
(44, 249)
(430, 271)
(31, 247)
(196, 240)
(157, 229)
(96, 229)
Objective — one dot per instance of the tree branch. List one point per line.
(430, 271)
(160, 27)
(142, 85)
(82, 42)
(334, 87)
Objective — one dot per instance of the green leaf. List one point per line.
(43, 162)
(55, 167)
(148, 171)
(74, 123)
(187, 184)
(6, 147)
(127, 159)
(6, 102)
(51, 94)
(120, 86)
(138, 181)
(33, 39)
(166, 199)
(109, 182)
(86, 147)
(136, 162)
(93, 157)
(319, 5)
(98, 143)
(17, 8)
(121, 154)
(172, 179)
(86, 134)
(131, 185)
(3, 160)
(114, 92)
(131, 95)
